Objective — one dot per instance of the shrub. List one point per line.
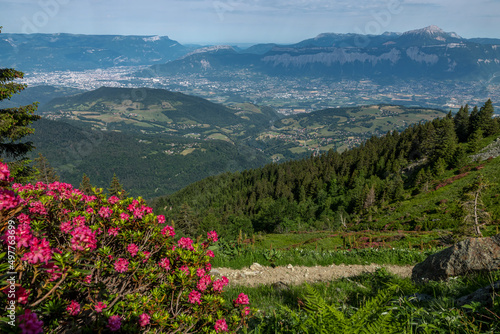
(88, 263)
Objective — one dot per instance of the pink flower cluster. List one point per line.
(54, 271)
(194, 297)
(73, 308)
(204, 282)
(113, 200)
(212, 235)
(219, 284)
(83, 239)
(29, 323)
(241, 300)
(186, 243)
(8, 199)
(40, 251)
(144, 320)
(114, 323)
(161, 219)
(165, 264)
(100, 306)
(38, 207)
(121, 265)
(105, 212)
(114, 231)
(132, 249)
(139, 210)
(220, 326)
(21, 295)
(4, 173)
(168, 231)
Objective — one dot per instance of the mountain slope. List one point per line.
(411, 180)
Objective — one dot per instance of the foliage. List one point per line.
(93, 263)
(45, 172)
(14, 125)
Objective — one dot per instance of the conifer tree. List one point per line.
(14, 126)
(85, 185)
(462, 123)
(485, 119)
(45, 172)
(116, 189)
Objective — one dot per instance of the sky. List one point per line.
(248, 21)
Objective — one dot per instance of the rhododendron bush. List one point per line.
(95, 264)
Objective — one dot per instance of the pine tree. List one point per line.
(46, 173)
(462, 123)
(116, 189)
(85, 185)
(14, 126)
(485, 119)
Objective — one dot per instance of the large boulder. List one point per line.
(484, 295)
(465, 257)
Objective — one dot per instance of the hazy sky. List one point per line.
(248, 21)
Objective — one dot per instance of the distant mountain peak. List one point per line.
(431, 31)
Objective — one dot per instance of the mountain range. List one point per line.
(62, 52)
(423, 53)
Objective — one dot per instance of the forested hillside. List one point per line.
(403, 180)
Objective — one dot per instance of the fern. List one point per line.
(373, 317)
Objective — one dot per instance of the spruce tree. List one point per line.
(85, 185)
(485, 119)
(14, 126)
(45, 172)
(462, 123)
(116, 189)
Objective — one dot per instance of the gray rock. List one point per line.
(255, 267)
(483, 295)
(465, 257)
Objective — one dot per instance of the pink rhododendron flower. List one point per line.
(105, 212)
(21, 294)
(208, 266)
(24, 218)
(73, 308)
(90, 210)
(88, 279)
(146, 256)
(40, 251)
(210, 253)
(100, 306)
(54, 271)
(194, 297)
(161, 219)
(124, 216)
(220, 326)
(113, 200)
(113, 231)
(132, 249)
(168, 231)
(8, 199)
(204, 282)
(241, 300)
(186, 243)
(88, 198)
(83, 239)
(38, 207)
(29, 323)
(114, 323)
(4, 172)
(165, 263)
(66, 227)
(121, 265)
(79, 221)
(144, 319)
(246, 310)
(212, 235)
(200, 272)
(184, 269)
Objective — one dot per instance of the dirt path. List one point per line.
(257, 274)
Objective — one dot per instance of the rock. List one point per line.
(280, 286)
(483, 295)
(255, 267)
(214, 272)
(465, 257)
(290, 267)
(249, 273)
